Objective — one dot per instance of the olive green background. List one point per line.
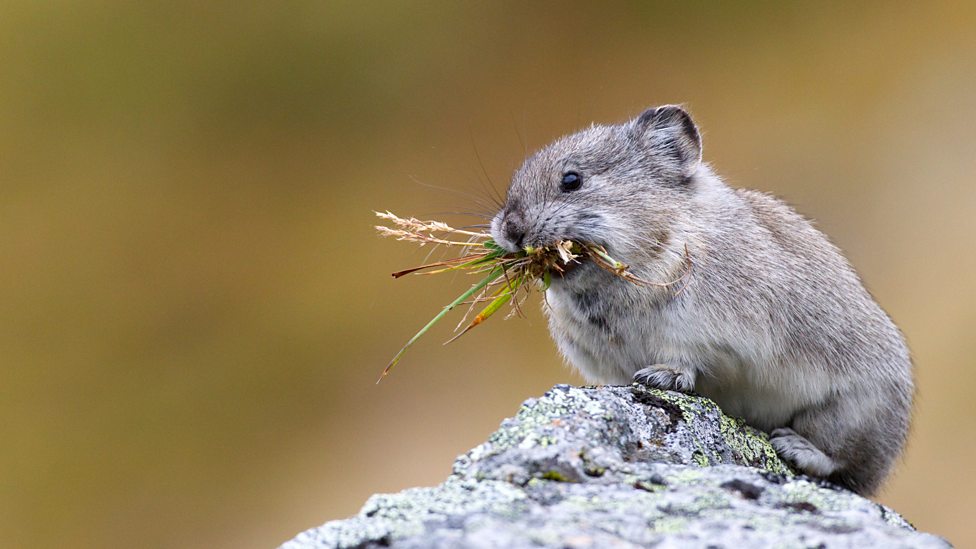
(194, 307)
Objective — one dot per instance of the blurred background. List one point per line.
(193, 303)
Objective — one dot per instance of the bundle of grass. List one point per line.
(505, 277)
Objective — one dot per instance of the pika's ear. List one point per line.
(669, 130)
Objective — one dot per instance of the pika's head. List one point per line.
(615, 186)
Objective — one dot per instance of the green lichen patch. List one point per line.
(751, 446)
(555, 475)
(700, 459)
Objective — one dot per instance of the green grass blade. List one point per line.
(504, 296)
(606, 257)
(491, 277)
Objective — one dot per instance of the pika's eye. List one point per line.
(571, 181)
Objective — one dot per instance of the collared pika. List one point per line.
(770, 320)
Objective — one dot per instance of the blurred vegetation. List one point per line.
(193, 306)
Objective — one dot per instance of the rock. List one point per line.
(621, 467)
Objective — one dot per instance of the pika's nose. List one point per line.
(514, 232)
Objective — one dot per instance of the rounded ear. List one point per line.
(669, 130)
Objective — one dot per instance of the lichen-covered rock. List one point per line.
(621, 467)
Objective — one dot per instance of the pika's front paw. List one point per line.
(801, 453)
(662, 376)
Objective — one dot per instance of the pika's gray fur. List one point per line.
(771, 321)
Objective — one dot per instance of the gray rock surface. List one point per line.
(621, 467)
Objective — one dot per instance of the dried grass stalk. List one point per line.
(506, 277)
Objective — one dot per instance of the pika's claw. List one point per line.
(801, 453)
(662, 376)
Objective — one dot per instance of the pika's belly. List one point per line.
(763, 407)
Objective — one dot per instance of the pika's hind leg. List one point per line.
(801, 453)
(667, 377)
(852, 439)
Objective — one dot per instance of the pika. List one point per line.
(770, 320)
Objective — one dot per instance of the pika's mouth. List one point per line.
(565, 259)
(561, 259)
(568, 269)
(585, 255)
